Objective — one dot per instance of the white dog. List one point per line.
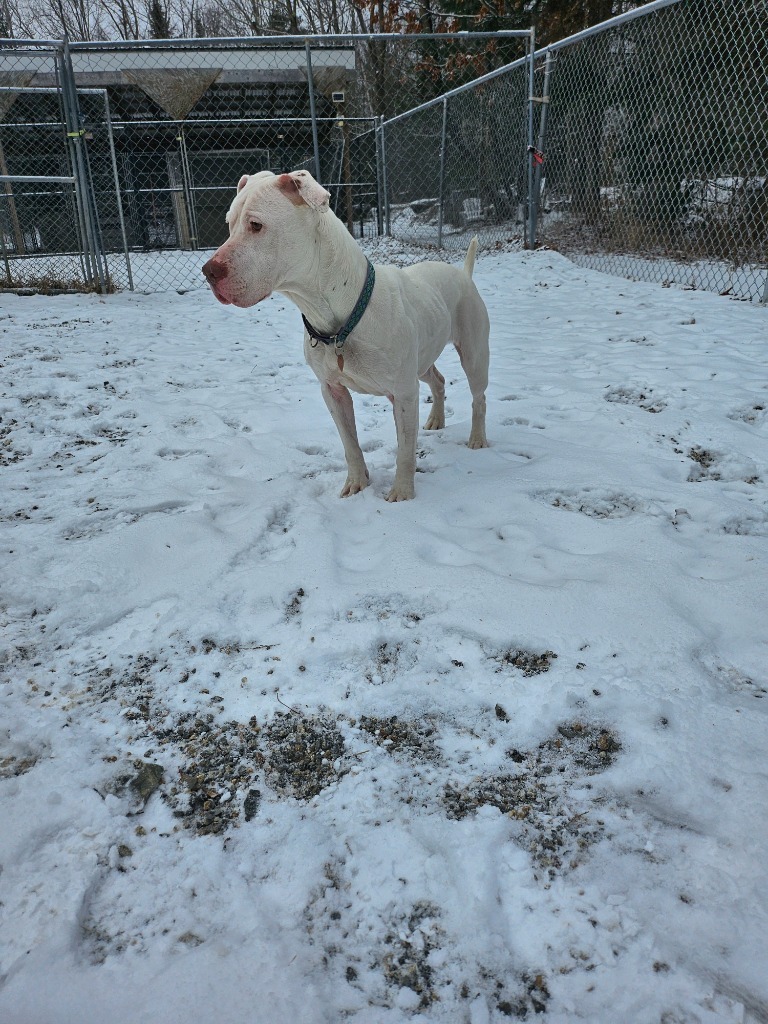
(284, 237)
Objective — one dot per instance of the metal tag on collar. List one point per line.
(338, 344)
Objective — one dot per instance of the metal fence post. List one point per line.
(188, 187)
(377, 133)
(538, 154)
(93, 255)
(72, 132)
(312, 108)
(443, 147)
(118, 195)
(6, 261)
(384, 180)
(530, 241)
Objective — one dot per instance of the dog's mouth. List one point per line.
(243, 303)
(238, 300)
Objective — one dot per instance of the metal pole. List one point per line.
(312, 109)
(118, 195)
(384, 179)
(379, 185)
(346, 166)
(228, 42)
(186, 182)
(443, 147)
(94, 206)
(86, 262)
(58, 178)
(530, 240)
(83, 185)
(539, 155)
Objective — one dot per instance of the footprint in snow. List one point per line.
(713, 465)
(275, 542)
(753, 413)
(521, 421)
(594, 502)
(643, 398)
(753, 523)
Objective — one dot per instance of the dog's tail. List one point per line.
(469, 260)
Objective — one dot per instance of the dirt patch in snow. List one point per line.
(303, 755)
(536, 794)
(402, 736)
(530, 663)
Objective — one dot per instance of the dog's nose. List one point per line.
(215, 271)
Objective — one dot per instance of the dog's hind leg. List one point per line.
(436, 381)
(472, 345)
(339, 402)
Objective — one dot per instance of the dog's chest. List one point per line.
(351, 370)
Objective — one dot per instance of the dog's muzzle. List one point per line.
(215, 272)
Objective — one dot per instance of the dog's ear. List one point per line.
(242, 183)
(300, 187)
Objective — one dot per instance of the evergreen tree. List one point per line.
(6, 22)
(158, 22)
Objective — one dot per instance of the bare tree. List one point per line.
(134, 19)
(78, 19)
(125, 18)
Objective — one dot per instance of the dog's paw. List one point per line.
(353, 486)
(477, 442)
(401, 492)
(435, 422)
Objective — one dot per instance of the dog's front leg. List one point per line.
(339, 402)
(406, 409)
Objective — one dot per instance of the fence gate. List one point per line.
(51, 235)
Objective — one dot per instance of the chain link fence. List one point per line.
(37, 174)
(656, 146)
(651, 152)
(638, 147)
(459, 166)
(161, 131)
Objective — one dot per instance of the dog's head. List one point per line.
(270, 221)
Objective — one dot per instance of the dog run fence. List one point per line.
(118, 161)
(638, 147)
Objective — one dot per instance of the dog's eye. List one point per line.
(256, 227)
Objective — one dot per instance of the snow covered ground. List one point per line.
(272, 757)
(748, 281)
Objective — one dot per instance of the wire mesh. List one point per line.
(168, 128)
(459, 167)
(188, 122)
(40, 243)
(657, 148)
(652, 131)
